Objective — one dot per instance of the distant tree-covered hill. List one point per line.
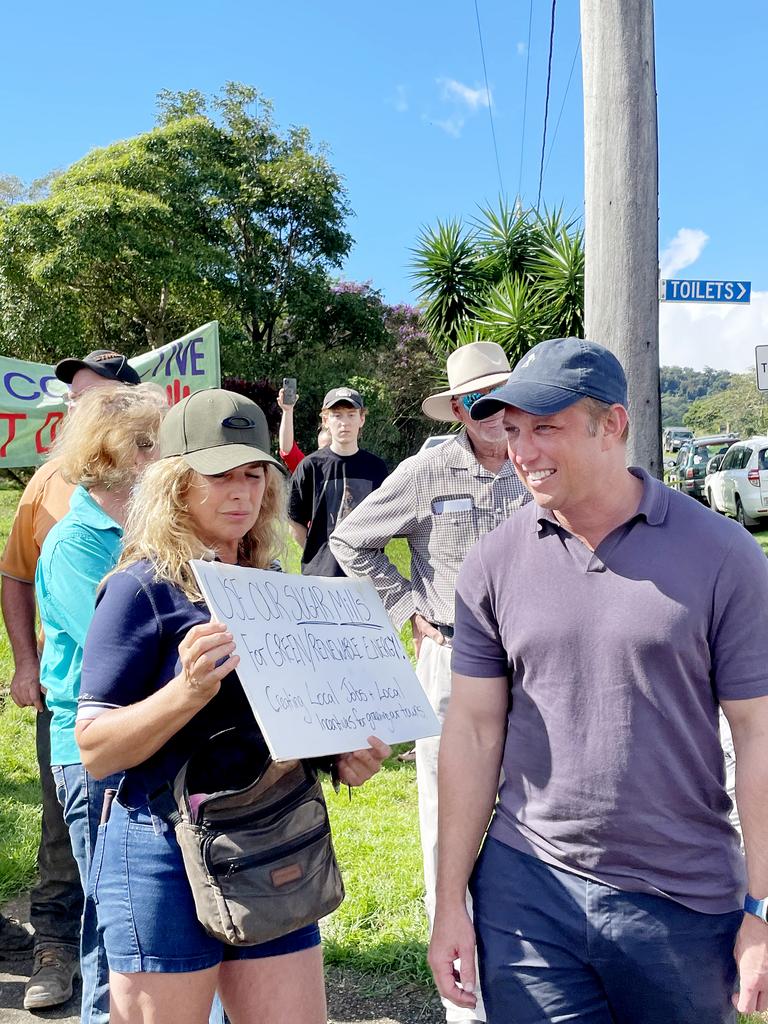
(681, 386)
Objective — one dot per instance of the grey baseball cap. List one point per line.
(215, 431)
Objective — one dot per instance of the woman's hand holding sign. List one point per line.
(357, 767)
(206, 655)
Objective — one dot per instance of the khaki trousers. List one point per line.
(434, 674)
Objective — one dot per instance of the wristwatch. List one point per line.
(757, 907)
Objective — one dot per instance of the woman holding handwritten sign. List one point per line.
(158, 683)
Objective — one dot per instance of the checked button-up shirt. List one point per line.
(441, 500)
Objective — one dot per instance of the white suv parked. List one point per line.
(737, 482)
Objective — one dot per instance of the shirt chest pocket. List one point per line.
(455, 529)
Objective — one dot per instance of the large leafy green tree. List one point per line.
(213, 214)
(510, 275)
(118, 242)
(274, 204)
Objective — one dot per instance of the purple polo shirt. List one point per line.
(616, 661)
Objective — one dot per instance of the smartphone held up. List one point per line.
(289, 390)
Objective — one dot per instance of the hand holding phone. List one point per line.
(289, 390)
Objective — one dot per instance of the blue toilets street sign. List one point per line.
(675, 290)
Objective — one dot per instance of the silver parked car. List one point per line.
(673, 437)
(737, 482)
(434, 439)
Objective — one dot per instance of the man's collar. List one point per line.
(653, 506)
(461, 455)
(655, 498)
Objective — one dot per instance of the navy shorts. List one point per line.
(145, 905)
(556, 947)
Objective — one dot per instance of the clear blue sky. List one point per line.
(396, 92)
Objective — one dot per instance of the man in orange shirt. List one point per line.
(57, 899)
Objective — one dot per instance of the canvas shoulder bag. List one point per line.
(259, 859)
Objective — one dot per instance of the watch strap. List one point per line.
(757, 907)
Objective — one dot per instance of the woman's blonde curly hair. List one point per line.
(159, 526)
(98, 441)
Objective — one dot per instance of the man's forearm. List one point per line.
(466, 797)
(749, 726)
(18, 606)
(372, 564)
(359, 540)
(751, 748)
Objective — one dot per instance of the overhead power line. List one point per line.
(562, 105)
(488, 98)
(546, 101)
(525, 100)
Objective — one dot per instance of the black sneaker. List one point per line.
(53, 975)
(15, 938)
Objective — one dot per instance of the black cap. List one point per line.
(108, 364)
(348, 395)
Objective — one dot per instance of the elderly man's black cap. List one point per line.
(108, 364)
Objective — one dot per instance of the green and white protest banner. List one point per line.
(32, 400)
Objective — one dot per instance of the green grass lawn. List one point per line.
(379, 929)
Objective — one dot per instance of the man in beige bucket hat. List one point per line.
(441, 500)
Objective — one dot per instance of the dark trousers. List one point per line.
(56, 901)
(556, 947)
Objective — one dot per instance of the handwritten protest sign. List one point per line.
(32, 400)
(320, 663)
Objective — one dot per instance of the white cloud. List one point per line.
(401, 99)
(684, 249)
(457, 92)
(704, 334)
(521, 48)
(450, 125)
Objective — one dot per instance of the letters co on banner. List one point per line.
(320, 663)
(32, 400)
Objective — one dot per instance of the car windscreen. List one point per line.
(762, 459)
(704, 452)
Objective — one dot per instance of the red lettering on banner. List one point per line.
(11, 417)
(176, 392)
(53, 418)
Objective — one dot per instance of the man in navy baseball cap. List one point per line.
(554, 375)
(590, 654)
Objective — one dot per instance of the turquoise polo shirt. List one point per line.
(76, 556)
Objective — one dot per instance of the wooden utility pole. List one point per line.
(621, 205)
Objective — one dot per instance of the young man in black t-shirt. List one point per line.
(332, 481)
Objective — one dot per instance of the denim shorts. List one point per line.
(145, 904)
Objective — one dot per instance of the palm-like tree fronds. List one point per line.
(507, 238)
(515, 277)
(515, 315)
(468, 332)
(448, 275)
(559, 270)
